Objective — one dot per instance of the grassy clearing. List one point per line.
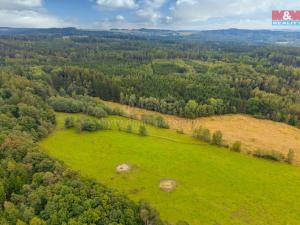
(214, 185)
(253, 133)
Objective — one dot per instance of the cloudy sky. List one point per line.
(164, 14)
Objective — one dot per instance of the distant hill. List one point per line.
(239, 36)
(248, 36)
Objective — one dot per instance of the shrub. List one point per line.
(92, 125)
(103, 125)
(148, 214)
(116, 111)
(78, 126)
(206, 135)
(160, 122)
(89, 125)
(270, 155)
(84, 104)
(202, 134)
(236, 146)
(69, 122)
(129, 128)
(155, 120)
(63, 104)
(217, 138)
(142, 130)
(96, 111)
(37, 221)
(42, 132)
(290, 156)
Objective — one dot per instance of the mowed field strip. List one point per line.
(253, 133)
(213, 184)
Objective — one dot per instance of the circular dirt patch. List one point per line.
(123, 168)
(167, 185)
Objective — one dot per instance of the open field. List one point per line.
(253, 133)
(213, 185)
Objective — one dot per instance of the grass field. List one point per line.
(253, 133)
(214, 185)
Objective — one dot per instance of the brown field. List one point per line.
(253, 133)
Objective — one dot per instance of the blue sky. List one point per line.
(164, 14)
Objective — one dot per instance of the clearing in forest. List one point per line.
(183, 178)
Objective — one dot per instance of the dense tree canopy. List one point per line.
(43, 73)
(188, 79)
(36, 189)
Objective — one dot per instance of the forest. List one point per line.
(36, 189)
(186, 78)
(43, 73)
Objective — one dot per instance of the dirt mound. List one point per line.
(167, 185)
(123, 168)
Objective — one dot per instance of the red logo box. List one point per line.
(286, 15)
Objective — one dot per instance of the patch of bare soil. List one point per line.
(167, 185)
(123, 168)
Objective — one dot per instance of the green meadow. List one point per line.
(214, 185)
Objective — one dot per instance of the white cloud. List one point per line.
(149, 14)
(120, 18)
(20, 4)
(216, 14)
(204, 9)
(130, 4)
(27, 13)
(28, 19)
(146, 11)
(183, 14)
(149, 11)
(154, 3)
(202, 14)
(167, 20)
